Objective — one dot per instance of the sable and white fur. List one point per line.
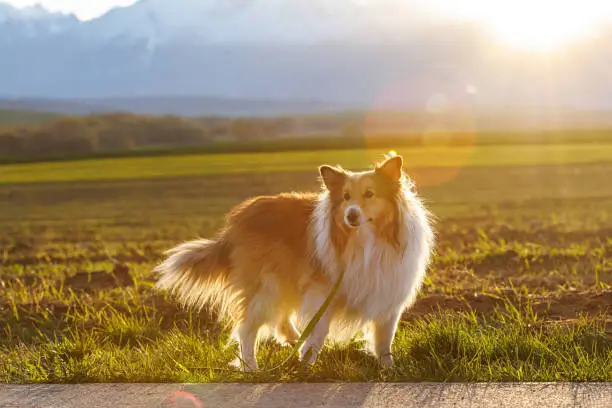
(278, 257)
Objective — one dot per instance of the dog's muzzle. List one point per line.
(352, 217)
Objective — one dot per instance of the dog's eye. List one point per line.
(368, 194)
(347, 196)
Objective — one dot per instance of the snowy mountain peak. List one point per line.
(244, 21)
(32, 22)
(156, 22)
(253, 21)
(33, 12)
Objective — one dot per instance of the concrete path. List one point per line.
(423, 395)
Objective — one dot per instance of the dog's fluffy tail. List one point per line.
(197, 272)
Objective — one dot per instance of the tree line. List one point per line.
(69, 135)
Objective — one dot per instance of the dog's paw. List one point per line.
(309, 354)
(243, 366)
(287, 343)
(386, 361)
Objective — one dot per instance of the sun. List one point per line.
(539, 25)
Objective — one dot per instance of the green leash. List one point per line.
(311, 325)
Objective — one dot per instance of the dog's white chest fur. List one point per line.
(379, 279)
(375, 280)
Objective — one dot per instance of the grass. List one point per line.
(207, 164)
(520, 289)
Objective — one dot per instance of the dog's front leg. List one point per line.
(384, 332)
(316, 340)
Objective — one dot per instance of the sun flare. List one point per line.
(534, 24)
(539, 25)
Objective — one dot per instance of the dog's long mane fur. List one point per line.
(380, 270)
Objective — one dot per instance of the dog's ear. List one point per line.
(331, 176)
(392, 167)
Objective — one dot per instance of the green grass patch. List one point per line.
(184, 165)
(509, 345)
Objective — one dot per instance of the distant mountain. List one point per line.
(173, 105)
(369, 54)
(160, 22)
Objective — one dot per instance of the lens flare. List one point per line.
(183, 399)
(431, 123)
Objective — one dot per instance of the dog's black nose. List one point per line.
(352, 216)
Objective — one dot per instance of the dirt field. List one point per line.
(520, 288)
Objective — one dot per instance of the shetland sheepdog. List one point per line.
(278, 257)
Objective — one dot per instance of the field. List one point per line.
(520, 290)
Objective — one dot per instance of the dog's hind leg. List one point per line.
(247, 332)
(260, 311)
